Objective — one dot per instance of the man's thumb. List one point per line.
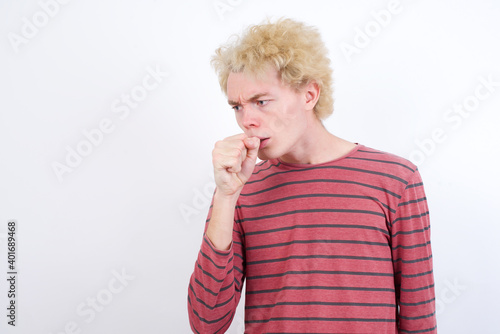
(248, 164)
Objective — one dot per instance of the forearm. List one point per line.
(220, 226)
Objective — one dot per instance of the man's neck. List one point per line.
(318, 146)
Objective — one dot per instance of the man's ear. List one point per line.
(311, 93)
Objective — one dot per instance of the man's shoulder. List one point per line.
(383, 161)
(370, 152)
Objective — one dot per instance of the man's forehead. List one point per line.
(261, 78)
(252, 97)
(248, 85)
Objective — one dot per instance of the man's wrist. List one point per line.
(226, 200)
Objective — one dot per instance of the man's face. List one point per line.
(269, 110)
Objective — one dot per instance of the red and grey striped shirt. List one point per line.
(337, 247)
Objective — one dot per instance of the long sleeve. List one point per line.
(216, 283)
(412, 260)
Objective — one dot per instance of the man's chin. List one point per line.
(264, 155)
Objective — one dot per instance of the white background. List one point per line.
(137, 202)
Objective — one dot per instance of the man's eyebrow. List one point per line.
(252, 98)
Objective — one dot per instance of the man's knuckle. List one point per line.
(237, 152)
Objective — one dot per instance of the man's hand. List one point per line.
(234, 161)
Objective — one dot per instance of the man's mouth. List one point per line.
(263, 143)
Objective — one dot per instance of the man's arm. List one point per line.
(217, 280)
(412, 258)
(220, 229)
(216, 283)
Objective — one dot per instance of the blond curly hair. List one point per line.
(294, 49)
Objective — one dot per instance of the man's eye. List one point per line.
(236, 108)
(262, 102)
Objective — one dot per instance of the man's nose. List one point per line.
(249, 119)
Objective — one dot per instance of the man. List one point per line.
(331, 236)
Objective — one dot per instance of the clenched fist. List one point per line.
(234, 161)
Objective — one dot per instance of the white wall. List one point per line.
(118, 211)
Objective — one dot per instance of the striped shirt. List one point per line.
(337, 247)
